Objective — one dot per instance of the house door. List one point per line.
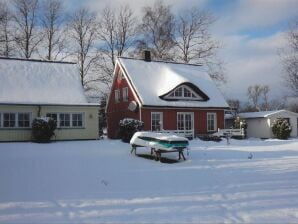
(184, 121)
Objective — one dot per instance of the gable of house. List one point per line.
(154, 80)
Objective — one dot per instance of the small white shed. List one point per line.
(259, 123)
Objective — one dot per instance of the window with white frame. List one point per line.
(15, 120)
(64, 120)
(68, 120)
(54, 116)
(77, 120)
(24, 120)
(156, 121)
(117, 95)
(125, 94)
(211, 122)
(183, 92)
(185, 120)
(9, 120)
(120, 75)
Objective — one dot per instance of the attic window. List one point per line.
(183, 92)
(120, 75)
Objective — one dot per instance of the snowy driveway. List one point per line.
(100, 181)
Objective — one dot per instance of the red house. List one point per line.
(165, 96)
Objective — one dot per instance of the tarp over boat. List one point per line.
(160, 141)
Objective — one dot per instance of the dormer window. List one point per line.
(183, 92)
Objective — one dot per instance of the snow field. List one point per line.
(101, 182)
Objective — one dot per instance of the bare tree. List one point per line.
(27, 37)
(83, 29)
(158, 30)
(193, 38)
(51, 19)
(290, 58)
(266, 103)
(6, 37)
(234, 106)
(117, 30)
(195, 43)
(254, 93)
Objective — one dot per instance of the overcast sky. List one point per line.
(251, 33)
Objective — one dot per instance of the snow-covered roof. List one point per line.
(152, 80)
(39, 82)
(262, 114)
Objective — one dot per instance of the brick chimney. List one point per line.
(147, 55)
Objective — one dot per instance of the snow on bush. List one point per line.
(43, 129)
(281, 129)
(127, 128)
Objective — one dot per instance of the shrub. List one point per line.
(210, 138)
(127, 128)
(281, 129)
(43, 129)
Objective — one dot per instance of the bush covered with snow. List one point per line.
(281, 129)
(127, 128)
(43, 129)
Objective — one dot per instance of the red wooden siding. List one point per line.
(118, 111)
(170, 118)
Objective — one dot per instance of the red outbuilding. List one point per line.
(165, 96)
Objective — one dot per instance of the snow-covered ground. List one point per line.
(100, 181)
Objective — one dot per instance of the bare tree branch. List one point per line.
(51, 19)
(27, 37)
(83, 28)
(6, 37)
(158, 29)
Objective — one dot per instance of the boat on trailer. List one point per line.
(159, 143)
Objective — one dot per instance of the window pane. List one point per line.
(64, 120)
(187, 93)
(211, 122)
(125, 94)
(24, 120)
(9, 120)
(117, 96)
(156, 121)
(52, 115)
(178, 92)
(77, 120)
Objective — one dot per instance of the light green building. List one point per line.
(34, 88)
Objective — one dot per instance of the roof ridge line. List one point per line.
(35, 60)
(160, 61)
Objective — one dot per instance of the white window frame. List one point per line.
(120, 74)
(117, 96)
(16, 125)
(30, 119)
(171, 95)
(15, 120)
(64, 126)
(82, 114)
(214, 121)
(57, 116)
(184, 121)
(125, 94)
(71, 120)
(160, 122)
